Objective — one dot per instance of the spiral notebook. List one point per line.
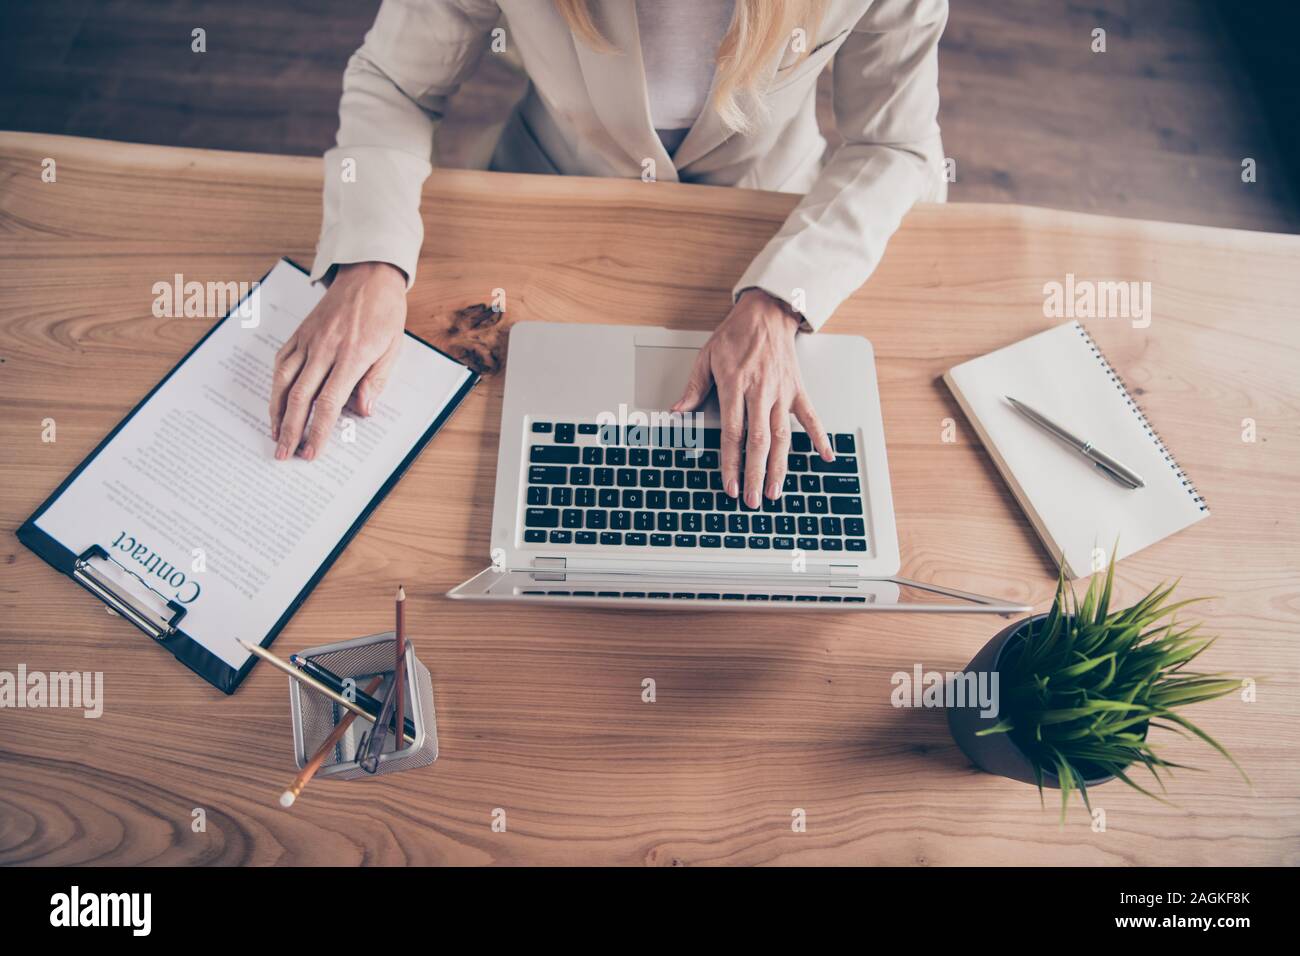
(1080, 514)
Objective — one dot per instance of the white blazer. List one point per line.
(587, 114)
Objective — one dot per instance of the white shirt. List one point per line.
(679, 42)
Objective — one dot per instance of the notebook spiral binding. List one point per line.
(1181, 475)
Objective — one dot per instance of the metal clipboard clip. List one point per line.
(109, 580)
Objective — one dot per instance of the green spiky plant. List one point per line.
(1081, 688)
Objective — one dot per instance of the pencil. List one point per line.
(309, 770)
(399, 669)
(311, 682)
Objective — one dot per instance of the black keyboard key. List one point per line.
(579, 475)
(650, 478)
(807, 544)
(620, 520)
(679, 500)
(541, 518)
(684, 458)
(585, 537)
(633, 498)
(844, 444)
(587, 428)
(783, 544)
(674, 479)
(561, 537)
(608, 434)
(593, 455)
(832, 544)
(810, 484)
(547, 475)
(760, 543)
(572, 518)
(554, 455)
(818, 505)
(541, 427)
(534, 536)
(738, 524)
(734, 541)
(584, 497)
(800, 442)
(713, 438)
(724, 502)
(761, 524)
(855, 544)
(607, 498)
(638, 457)
(798, 463)
(836, 484)
(757, 597)
(715, 524)
(782, 597)
(692, 521)
(832, 527)
(854, 527)
(634, 538)
(602, 477)
(626, 477)
(796, 504)
(684, 540)
(596, 519)
(661, 458)
(560, 497)
(842, 465)
(611, 537)
(784, 524)
(644, 521)
(771, 505)
(616, 456)
(807, 526)
(702, 501)
(841, 505)
(666, 521)
(564, 433)
(661, 540)
(708, 460)
(710, 541)
(697, 479)
(791, 485)
(715, 481)
(537, 495)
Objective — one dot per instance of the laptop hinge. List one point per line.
(549, 569)
(843, 571)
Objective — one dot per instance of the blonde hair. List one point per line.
(759, 31)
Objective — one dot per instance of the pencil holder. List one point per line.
(315, 716)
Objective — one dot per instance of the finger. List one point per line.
(697, 386)
(807, 415)
(731, 403)
(372, 383)
(287, 365)
(328, 406)
(298, 405)
(758, 425)
(778, 457)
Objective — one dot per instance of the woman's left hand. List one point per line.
(751, 360)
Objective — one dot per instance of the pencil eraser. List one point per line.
(287, 798)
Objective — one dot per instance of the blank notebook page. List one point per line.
(1071, 503)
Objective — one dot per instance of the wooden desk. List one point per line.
(540, 712)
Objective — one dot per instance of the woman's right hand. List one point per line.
(340, 356)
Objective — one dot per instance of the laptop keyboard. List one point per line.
(587, 486)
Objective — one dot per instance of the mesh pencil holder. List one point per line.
(315, 716)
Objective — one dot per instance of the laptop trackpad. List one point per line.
(661, 375)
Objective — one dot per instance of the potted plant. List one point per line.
(1078, 690)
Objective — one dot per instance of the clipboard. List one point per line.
(128, 595)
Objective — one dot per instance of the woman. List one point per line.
(711, 91)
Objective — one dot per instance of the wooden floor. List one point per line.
(1156, 127)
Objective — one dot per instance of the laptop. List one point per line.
(604, 499)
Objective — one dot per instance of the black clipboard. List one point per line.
(97, 571)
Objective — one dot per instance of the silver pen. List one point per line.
(1116, 470)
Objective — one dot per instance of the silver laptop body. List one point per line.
(604, 499)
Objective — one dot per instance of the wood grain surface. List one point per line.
(540, 711)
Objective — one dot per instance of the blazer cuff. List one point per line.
(372, 209)
(809, 290)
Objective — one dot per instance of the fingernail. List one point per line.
(733, 487)
(751, 498)
(370, 406)
(281, 452)
(771, 490)
(275, 433)
(308, 452)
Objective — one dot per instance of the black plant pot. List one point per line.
(998, 753)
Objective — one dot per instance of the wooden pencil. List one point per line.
(307, 772)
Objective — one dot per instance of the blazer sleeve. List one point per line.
(886, 102)
(395, 92)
